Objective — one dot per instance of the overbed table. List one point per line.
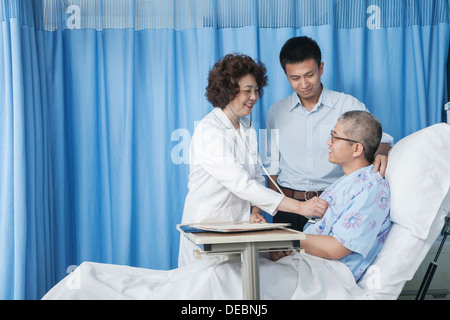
(249, 244)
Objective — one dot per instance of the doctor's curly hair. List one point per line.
(223, 79)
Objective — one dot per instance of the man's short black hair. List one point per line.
(364, 127)
(299, 49)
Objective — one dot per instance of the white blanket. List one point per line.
(295, 277)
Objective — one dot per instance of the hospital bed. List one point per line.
(419, 177)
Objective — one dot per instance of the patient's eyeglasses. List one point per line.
(339, 138)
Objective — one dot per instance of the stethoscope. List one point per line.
(253, 153)
(256, 156)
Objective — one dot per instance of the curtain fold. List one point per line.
(99, 99)
(25, 213)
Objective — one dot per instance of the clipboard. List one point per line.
(231, 226)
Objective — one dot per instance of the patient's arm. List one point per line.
(326, 247)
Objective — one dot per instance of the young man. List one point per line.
(304, 121)
(356, 223)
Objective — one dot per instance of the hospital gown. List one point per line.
(358, 217)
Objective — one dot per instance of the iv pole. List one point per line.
(433, 265)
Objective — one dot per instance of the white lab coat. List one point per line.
(225, 179)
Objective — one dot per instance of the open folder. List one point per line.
(233, 226)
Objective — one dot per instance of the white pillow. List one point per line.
(418, 172)
(400, 257)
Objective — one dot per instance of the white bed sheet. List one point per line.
(295, 277)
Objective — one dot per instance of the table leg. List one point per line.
(250, 272)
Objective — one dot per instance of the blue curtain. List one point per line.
(99, 99)
(25, 193)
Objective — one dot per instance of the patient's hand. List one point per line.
(277, 255)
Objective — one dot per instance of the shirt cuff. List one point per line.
(386, 138)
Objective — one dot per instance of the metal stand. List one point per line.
(447, 108)
(250, 260)
(248, 245)
(433, 265)
(250, 271)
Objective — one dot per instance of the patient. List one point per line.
(356, 224)
(339, 247)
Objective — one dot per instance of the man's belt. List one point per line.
(300, 195)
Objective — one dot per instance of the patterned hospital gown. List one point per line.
(358, 217)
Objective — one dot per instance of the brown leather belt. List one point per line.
(300, 195)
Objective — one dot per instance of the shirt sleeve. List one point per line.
(386, 138)
(359, 225)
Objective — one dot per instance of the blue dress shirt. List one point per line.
(297, 140)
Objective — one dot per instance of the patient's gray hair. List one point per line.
(364, 127)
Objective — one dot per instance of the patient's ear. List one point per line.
(358, 150)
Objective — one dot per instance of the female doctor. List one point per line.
(225, 182)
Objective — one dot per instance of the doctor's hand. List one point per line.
(313, 208)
